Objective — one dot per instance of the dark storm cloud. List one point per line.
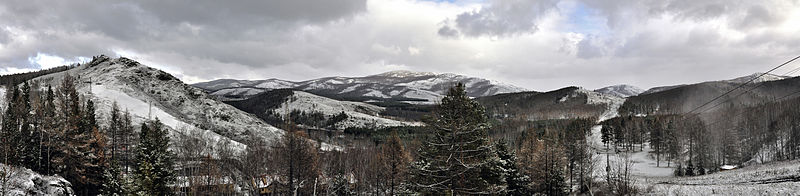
(499, 18)
(206, 28)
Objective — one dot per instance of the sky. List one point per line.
(536, 44)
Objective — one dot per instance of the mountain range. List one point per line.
(405, 86)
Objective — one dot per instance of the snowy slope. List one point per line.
(421, 87)
(2, 97)
(150, 93)
(620, 90)
(23, 181)
(757, 78)
(359, 114)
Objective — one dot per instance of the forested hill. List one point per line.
(565, 103)
(684, 98)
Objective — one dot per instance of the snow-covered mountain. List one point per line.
(622, 90)
(756, 79)
(415, 87)
(148, 93)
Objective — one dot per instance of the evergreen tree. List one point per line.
(113, 182)
(456, 157)
(28, 138)
(517, 183)
(155, 162)
(10, 131)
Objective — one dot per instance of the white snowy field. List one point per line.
(779, 178)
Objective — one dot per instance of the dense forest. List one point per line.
(54, 130)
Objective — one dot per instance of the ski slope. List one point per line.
(141, 111)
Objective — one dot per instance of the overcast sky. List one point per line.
(536, 44)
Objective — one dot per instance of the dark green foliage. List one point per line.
(541, 105)
(113, 182)
(155, 162)
(455, 159)
(15, 79)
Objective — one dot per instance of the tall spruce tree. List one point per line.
(457, 158)
(517, 182)
(155, 162)
(10, 131)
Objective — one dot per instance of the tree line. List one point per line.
(54, 131)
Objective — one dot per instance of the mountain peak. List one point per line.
(405, 73)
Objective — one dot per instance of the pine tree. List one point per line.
(113, 182)
(517, 183)
(155, 162)
(456, 157)
(10, 130)
(28, 138)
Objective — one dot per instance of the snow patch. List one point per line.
(23, 181)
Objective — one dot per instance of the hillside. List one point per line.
(278, 104)
(620, 90)
(149, 93)
(680, 99)
(570, 102)
(407, 86)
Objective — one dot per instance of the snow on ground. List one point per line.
(778, 178)
(186, 110)
(375, 93)
(2, 97)
(23, 181)
(351, 88)
(644, 165)
(276, 84)
(239, 91)
(142, 111)
(359, 114)
(422, 94)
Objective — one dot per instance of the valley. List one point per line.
(619, 135)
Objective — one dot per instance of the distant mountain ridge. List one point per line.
(754, 77)
(408, 86)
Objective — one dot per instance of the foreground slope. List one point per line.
(779, 178)
(149, 93)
